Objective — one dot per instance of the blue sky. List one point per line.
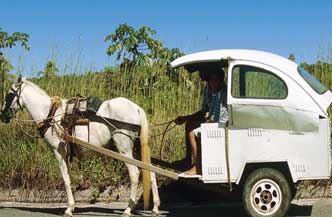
(67, 30)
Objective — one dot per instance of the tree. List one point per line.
(49, 70)
(9, 41)
(291, 57)
(170, 54)
(137, 47)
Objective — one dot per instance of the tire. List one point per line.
(266, 193)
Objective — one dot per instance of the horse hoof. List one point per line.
(154, 213)
(67, 215)
(125, 215)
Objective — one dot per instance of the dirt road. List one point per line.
(303, 208)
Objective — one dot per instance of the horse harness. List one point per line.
(8, 112)
(80, 111)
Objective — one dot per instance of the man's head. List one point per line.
(215, 80)
(207, 68)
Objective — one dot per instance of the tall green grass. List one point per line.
(26, 162)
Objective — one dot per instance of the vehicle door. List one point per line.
(272, 119)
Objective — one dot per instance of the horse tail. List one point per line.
(146, 157)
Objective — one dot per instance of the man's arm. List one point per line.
(197, 116)
(192, 118)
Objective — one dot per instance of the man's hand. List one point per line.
(181, 119)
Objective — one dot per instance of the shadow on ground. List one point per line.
(194, 198)
(178, 199)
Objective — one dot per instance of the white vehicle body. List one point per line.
(293, 131)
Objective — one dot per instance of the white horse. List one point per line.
(25, 94)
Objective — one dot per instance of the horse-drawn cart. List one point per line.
(278, 132)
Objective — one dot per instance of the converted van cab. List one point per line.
(278, 131)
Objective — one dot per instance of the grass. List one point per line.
(163, 98)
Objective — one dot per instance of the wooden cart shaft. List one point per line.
(120, 157)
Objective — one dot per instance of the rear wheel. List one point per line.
(266, 193)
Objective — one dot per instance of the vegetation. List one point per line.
(151, 88)
(49, 71)
(137, 47)
(9, 41)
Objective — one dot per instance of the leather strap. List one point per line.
(43, 126)
(111, 123)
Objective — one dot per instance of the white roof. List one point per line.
(278, 62)
(270, 59)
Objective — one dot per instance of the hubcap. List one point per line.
(266, 197)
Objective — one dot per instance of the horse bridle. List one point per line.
(8, 113)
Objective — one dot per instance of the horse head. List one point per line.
(13, 102)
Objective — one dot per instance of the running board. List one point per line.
(183, 175)
(120, 157)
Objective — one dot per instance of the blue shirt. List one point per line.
(215, 104)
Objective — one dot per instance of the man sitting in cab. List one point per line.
(214, 109)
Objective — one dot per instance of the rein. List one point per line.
(162, 138)
(22, 125)
(44, 124)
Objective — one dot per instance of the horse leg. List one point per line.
(134, 175)
(66, 179)
(124, 145)
(155, 194)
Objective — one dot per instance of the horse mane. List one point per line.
(35, 86)
(43, 92)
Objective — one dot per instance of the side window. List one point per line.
(253, 82)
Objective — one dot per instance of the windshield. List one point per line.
(312, 81)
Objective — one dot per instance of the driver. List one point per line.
(213, 109)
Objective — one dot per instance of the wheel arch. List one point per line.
(281, 166)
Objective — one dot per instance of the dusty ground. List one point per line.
(178, 199)
(302, 208)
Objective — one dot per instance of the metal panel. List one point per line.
(213, 152)
(307, 154)
(273, 117)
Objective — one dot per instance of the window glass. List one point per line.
(312, 81)
(253, 82)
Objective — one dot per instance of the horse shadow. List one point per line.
(86, 211)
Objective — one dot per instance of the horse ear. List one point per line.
(19, 80)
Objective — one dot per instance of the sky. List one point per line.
(72, 31)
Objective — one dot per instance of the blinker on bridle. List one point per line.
(8, 113)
